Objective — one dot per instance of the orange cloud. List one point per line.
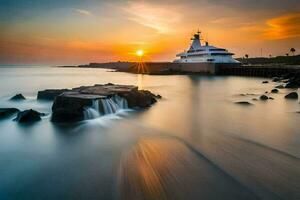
(283, 27)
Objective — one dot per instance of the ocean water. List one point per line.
(194, 143)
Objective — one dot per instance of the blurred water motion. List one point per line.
(195, 143)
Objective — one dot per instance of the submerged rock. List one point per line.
(246, 103)
(274, 91)
(292, 95)
(71, 106)
(50, 94)
(276, 79)
(279, 86)
(28, 116)
(6, 112)
(18, 97)
(263, 97)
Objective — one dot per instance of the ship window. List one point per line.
(221, 54)
(217, 50)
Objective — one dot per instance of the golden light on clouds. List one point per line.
(153, 16)
(283, 27)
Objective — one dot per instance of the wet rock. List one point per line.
(50, 94)
(69, 106)
(28, 116)
(265, 82)
(263, 97)
(17, 97)
(274, 91)
(245, 103)
(292, 95)
(6, 112)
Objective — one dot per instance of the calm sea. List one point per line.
(195, 143)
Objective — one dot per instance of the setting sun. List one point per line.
(139, 53)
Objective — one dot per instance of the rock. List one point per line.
(6, 112)
(17, 97)
(279, 87)
(292, 95)
(276, 79)
(28, 116)
(254, 99)
(266, 92)
(274, 91)
(265, 82)
(50, 94)
(69, 106)
(271, 98)
(246, 103)
(263, 97)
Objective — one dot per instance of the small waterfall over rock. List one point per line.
(105, 106)
(93, 111)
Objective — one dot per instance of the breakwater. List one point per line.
(168, 68)
(257, 70)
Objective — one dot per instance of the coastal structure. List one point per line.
(203, 58)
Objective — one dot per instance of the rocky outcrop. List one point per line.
(70, 106)
(292, 95)
(6, 112)
(293, 80)
(17, 97)
(50, 94)
(28, 116)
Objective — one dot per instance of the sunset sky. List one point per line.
(82, 31)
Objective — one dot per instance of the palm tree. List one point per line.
(292, 50)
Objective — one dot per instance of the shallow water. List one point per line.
(195, 143)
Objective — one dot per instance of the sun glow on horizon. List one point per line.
(139, 53)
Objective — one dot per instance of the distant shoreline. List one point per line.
(265, 67)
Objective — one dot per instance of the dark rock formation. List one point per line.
(245, 103)
(292, 95)
(274, 91)
(28, 116)
(6, 112)
(50, 94)
(69, 106)
(263, 97)
(265, 82)
(17, 97)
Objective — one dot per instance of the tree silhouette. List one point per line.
(292, 50)
(287, 54)
(247, 56)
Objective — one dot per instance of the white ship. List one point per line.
(199, 53)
